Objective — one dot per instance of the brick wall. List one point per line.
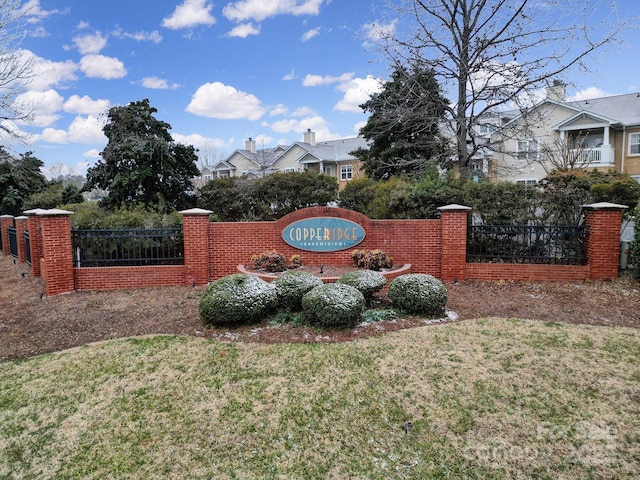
(213, 250)
(113, 278)
(408, 241)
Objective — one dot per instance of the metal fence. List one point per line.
(548, 244)
(128, 247)
(13, 242)
(27, 246)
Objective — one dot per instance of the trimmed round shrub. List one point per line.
(418, 293)
(333, 305)
(367, 281)
(237, 298)
(291, 287)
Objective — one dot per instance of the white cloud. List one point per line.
(290, 76)
(588, 93)
(279, 109)
(54, 135)
(319, 80)
(375, 32)
(199, 141)
(308, 35)
(99, 66)
(259, 10)
(90, 43)
(190, 14)
(216, 100)
(34, 13)
(46, 73)
(315, 122)
(158, 83)
(86, 105)
(39, 32)
(44, 105)
(357, 92)
(140, 36)
(244, 30)
(87, 130)
(93, 153)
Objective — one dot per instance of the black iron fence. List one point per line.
(27, 246)
(13, 242)
(128, 247)
(547, 244)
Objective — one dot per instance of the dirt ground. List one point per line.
(31, 323)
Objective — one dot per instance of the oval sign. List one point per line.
(323, 234)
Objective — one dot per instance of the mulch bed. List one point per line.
(31, 323)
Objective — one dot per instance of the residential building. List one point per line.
(331, 157)
(600, 133)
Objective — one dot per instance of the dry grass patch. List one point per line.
(485, 399)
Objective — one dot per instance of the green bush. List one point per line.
(333, 305)
(418, 293)
(237, 298)
(291, 286)
(367, 281)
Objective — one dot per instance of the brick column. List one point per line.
(195, 227)
(603, 221)
(57, 251)
(6, 221)
(35, 238)
(454, 241)
(21, 225)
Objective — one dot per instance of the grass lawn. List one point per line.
(485, 399)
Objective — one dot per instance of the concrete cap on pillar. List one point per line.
(195, 211)
(453, 207)
(54, 212)
(605, 206)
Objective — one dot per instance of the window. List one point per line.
(289, 170)
(634, 143)
(527, 150)
(528, 181)
(346, 172)
(327, 170)
(207, 178)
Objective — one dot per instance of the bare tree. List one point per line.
(208, 157)
(494, 55)
(565, 154)
(15, 68)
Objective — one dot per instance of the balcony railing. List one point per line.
(594, 157)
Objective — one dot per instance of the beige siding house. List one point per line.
(331, 158)
(601, 133)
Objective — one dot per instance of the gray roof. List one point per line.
(624, 109)
(335, 150)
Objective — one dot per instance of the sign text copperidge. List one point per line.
(323, 234)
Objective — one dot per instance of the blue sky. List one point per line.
(219, 72)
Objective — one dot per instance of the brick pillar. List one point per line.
(57, 251)
(453, 219)
(195, 227)
(603, 221)
(35, 238)
(21, 225)
(6, 221)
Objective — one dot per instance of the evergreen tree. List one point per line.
(19, 178)
(404, 126)
(141, 164)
